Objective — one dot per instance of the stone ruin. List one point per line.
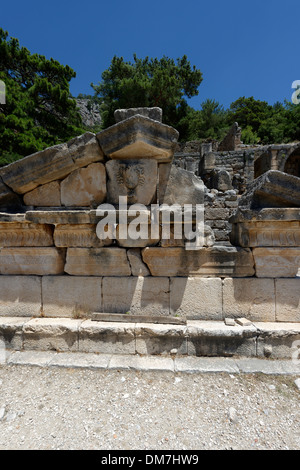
(53, 266)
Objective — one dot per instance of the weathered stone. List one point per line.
(71, 296)
(278, 340)
(178, 186)
(78, 235)
(58, 334)
(196, 298)
(47, 195)
(97, 262)
(85, 186)
(251, 298)
(160, 339)
(135, 179)
(61, 217)
(8, 198)
(272, 189)
(25, 234)
(11, 331)
(212, 262)
(106, 338)
(141, 242)
(287, 300)
(39, 261)
(232, 140)
(277, 262)
(137, 295)
(220, 180)
(20, 296)
(151, 113)
(139, 137)
(51, 164)
(138, 268)
(266, 228)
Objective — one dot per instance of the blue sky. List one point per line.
(242, 48)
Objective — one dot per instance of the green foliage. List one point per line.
(38, 111)
(148, 83)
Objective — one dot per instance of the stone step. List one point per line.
(195, 338)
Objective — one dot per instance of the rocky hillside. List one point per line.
(90, 112)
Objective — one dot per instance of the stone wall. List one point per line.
(54, 264)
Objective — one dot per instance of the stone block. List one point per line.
(160, 339)
(139, 137)
(40, 261)
(138, 268)
(61, 216)
(137, 295)
(220, 180)
(217, 339)
(151, 113)
(106, 338)
(272, 189)
(84, 187)
(7, 197)
(51, 164)
(178, 186)
(51, 334)
(277, 340)
(11, 331)
(21, 234)
(135, 179)
(287, 300)
(218, 261)
(78, 235)
(266, 228)
(47, 195)
(276, 262)
(20, 296)
(251, 298)
(97, 262)
(196, 298)
(71, 296)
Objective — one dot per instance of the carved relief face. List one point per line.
(131, 176)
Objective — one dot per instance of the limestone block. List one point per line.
(11, 331)
(107, 261)
(71, 296)
(139, 137)
(25, 234)
(251, 298)
(51, 164)
(151, 113)
(20, 296)
(47, 195)
(160, 339)
(78, 235)
(220, 180)
(196, 298)
(278, 340)
(272, 189)
(60, 217)
(218, 261)
(178, 186)
(106, 338)
(141, 242)
(137, 295)
(135, 179)
(287, 300)
(209, 238)
(276, 262)
(138, 268)
(58, 334)
(272, 227)
(85, 186)
(217, 339)
(40, 261)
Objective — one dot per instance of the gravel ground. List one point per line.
(72, 409)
